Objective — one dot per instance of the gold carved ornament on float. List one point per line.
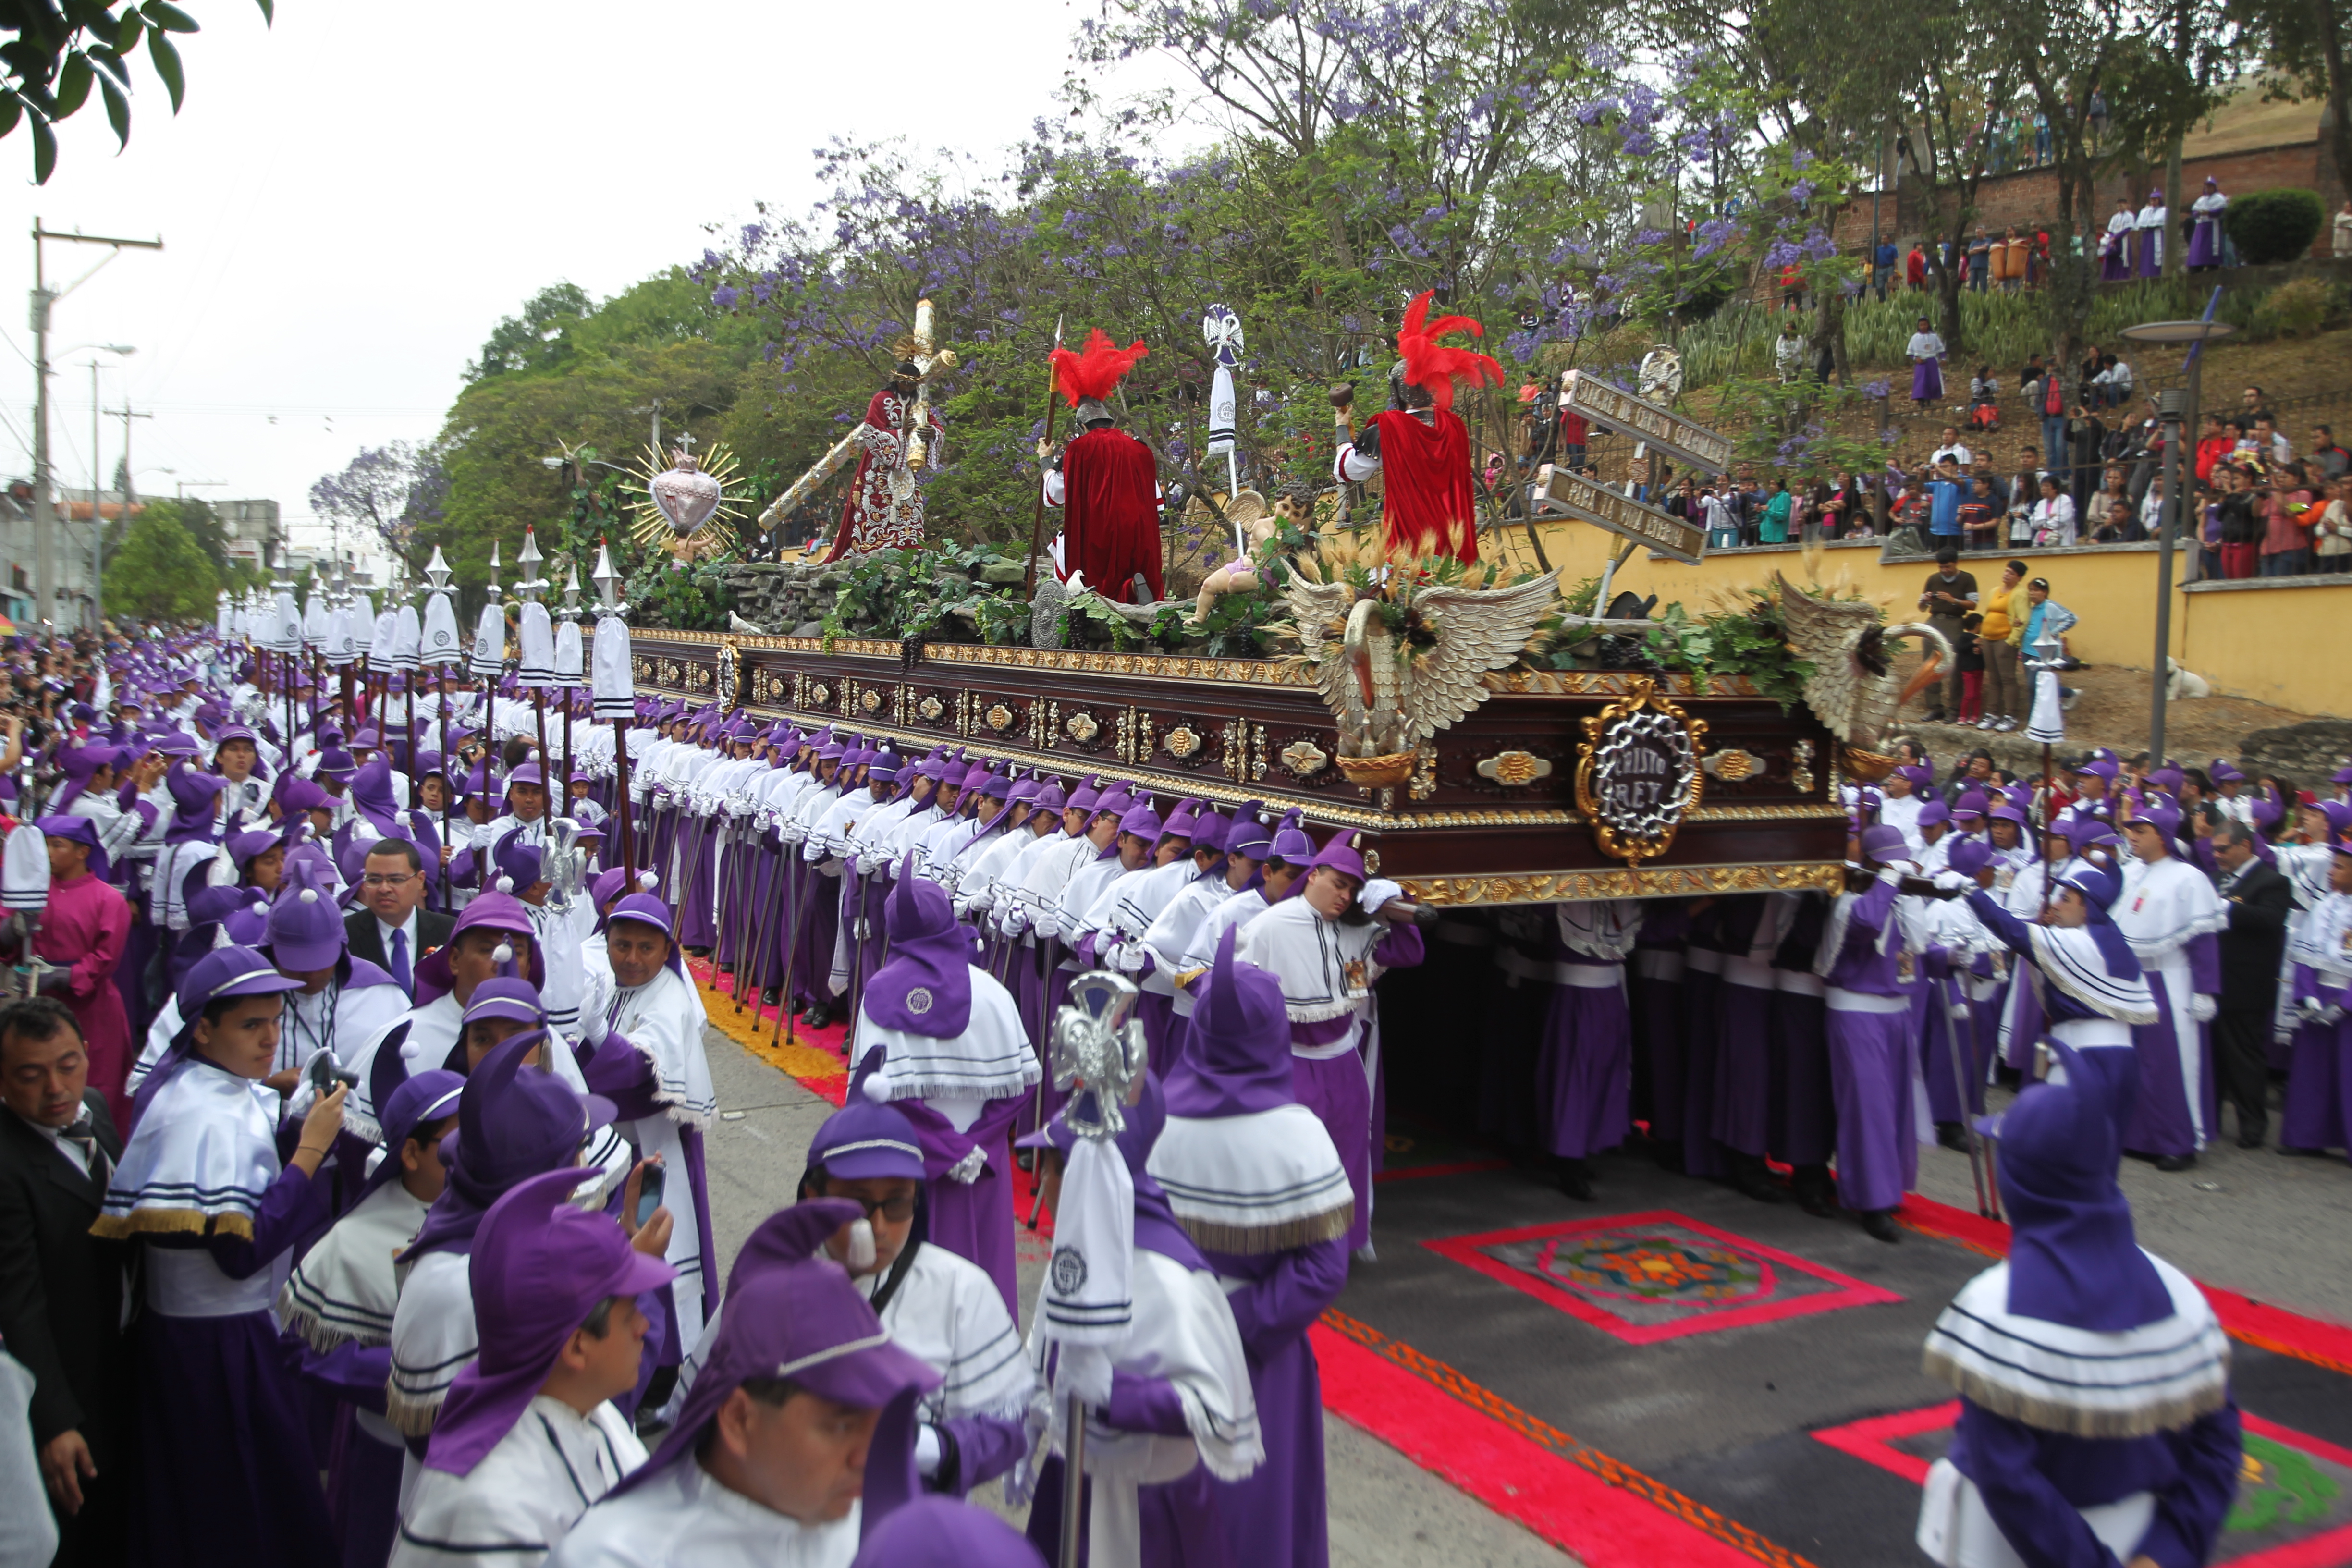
(1637, 772)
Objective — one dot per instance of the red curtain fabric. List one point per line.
(1427, 470)
(1110, 516)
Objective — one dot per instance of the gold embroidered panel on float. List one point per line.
(1489, 815)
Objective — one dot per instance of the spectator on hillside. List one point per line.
(1774, 527)
(2214, 445)
(2088, 436)
(1926, 351)
(2288, 520)
(2029, 378)
(1979, 517)
(1968, 664)
(2208, 535)
(1953, 447)
(1949, 597)
(2050, 401)
(2254, 404)
(2004, 624)
(1984, 400)
(1980, 260)
(2113, 381)
(2333, 459)
(2340, 236)
(1882, 266)
(1789, 353)
(2041, 138)
(2268, 442)
(1947, 489)
(1914, 267)
(2241, 523)
(2333, 537)
(2053, 515)
(1722, 521)
(2117, 527)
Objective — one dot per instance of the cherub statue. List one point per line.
(1248, 513)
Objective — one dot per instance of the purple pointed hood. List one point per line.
(803, 1320)
(540, 1266)
(2072, 1258)
(1237, 1059)
(926, 987)
(306, 924)
(513, 1123)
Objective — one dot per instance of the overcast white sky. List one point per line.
(352, 199)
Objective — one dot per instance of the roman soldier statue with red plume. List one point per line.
(1106, 482)
(1421, 443)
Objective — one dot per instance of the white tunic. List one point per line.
(525, 1494)
(681, 1518)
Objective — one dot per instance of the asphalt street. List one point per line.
(2276, 1230)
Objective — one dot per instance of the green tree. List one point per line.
(538, 338)
(57, 51)
(160, 572)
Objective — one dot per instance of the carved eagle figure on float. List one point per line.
(1385, 704)
(1854, 688)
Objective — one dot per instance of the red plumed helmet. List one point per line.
(1429, 364)
(1093, 371)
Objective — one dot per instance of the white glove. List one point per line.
(1891, 873)
(1379, 890)
(2311, 1009)
(968, 1169)
(1128, 957)
(2202, 1008)
(1954, 881)
(927, 1452)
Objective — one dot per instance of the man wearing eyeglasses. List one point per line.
(391, 928)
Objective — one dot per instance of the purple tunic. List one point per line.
(1702, 982)
(227, 1475)
(2034, 1484)
(1585, 1076)
(1277, 1517)
(2318, 1111)
(973, 1220)
(1870, 1060)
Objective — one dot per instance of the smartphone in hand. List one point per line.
(649, 1195)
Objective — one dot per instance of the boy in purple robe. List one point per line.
(1258, 1184)
(1328, 944)
(1867, 966)
(227, 1472)
(2096, 1425)
(529, 1436)
(1585, 1071)
(956, 1061)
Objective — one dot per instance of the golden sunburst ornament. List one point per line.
(686, 504)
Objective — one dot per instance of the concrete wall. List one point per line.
(2276, 641)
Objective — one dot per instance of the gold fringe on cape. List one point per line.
(1249, 1240)
(2076, 1421)
(410, 1417)
(171, 1222)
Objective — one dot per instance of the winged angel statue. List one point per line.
(1395, 668)
(1855, 688)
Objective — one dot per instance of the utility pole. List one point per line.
(45, 516)
(130, 480)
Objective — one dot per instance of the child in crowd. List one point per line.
(1969, 657)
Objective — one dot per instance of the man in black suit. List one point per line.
(392, 930)
(2259, 898)
(62, 1289)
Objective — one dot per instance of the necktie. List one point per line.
(83, 1135)
(400, 962)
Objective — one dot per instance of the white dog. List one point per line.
(2184, 682)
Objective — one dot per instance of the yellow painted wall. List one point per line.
(2244, 640)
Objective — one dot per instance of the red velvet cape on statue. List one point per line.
(1110, 528)
(1110, 482)
(1427, 503)
(884, 510)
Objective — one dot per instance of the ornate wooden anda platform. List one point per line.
(1490, 815)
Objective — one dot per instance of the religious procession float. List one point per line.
(1499, 744)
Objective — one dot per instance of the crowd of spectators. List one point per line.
(2090, 473)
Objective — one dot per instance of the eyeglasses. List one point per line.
(382, 880)
(897, 1210)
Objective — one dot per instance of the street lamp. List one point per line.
(2177, 409)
